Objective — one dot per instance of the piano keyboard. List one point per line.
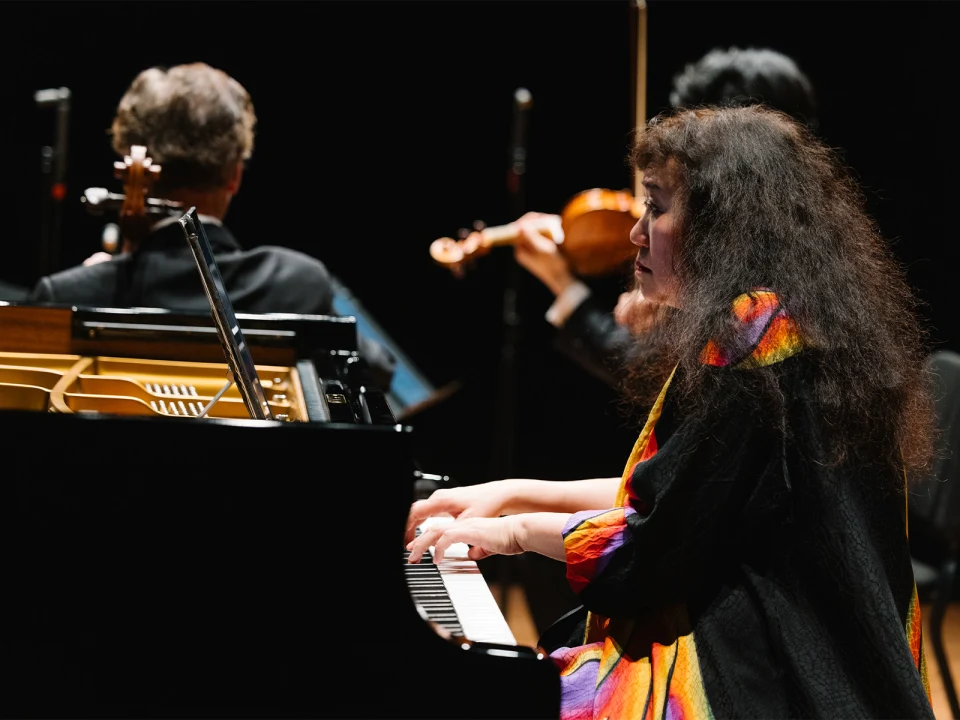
(456, 597)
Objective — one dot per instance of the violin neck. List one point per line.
(497, 235)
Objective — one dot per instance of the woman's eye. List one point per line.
(651, 208)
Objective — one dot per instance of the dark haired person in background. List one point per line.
(736, 76)
(198, 124)
(752, 560)
(588, 332)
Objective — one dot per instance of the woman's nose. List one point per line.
(638, 235)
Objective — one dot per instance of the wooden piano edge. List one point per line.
(49, 329)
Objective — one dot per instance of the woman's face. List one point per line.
(654, 235)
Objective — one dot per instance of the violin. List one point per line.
(137, 210)
(592, 232)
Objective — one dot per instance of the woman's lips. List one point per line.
(638, 268)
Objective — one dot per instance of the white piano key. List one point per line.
(476, 607)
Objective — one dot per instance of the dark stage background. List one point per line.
(384, 125)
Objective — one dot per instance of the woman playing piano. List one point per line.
(752, 561)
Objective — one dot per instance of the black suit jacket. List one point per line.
(592, 338)
(163, 274)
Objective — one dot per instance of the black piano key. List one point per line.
(428, 591)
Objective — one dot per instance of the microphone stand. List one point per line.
(53, 167)
(504, 448)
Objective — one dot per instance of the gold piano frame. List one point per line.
(44, 366)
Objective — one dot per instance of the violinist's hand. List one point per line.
(540, 254)
(97, 257)
(486, 536)
(483, 500)
(634, 312)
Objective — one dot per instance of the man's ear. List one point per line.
(233, 185)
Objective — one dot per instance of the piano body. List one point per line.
(157, 563)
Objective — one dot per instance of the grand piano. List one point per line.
(160, 563)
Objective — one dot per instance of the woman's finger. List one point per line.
(419, 545)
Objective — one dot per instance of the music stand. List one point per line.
(410, 391)
(242, 370)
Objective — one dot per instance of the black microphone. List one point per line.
(53, 167)
(60, 99)
(51, 96)
(522, 102)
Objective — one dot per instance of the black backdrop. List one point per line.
(383, 125)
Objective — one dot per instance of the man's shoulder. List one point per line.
(290, 261)
(81, 283)
(107, 267)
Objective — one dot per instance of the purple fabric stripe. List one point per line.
(755, 329)
(579, 517)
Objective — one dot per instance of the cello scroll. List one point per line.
(137, 210)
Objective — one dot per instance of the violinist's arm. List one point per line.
(542, 259)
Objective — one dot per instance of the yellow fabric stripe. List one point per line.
(642, 441)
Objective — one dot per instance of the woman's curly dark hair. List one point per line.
(764, 203)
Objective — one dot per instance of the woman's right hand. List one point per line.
(483, 500)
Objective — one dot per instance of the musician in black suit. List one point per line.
(588, 332)
(197, 123)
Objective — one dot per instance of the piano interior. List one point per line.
(138, 386)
